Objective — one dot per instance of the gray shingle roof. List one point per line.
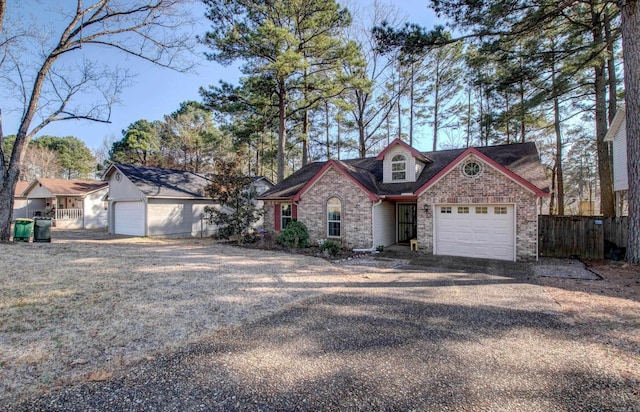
(521, 159)
(159, 182)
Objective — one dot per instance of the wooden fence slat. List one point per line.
(580, 236)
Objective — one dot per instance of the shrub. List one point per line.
(294, 235)
(330, 247)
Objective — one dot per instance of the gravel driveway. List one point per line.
(377, 339)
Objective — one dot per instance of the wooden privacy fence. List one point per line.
(590, 237)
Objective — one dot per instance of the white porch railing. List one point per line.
(59, 214)
(68, 214)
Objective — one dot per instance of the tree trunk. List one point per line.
(611, 68)
(559, 172)
(411, 104)
(631, 48)
(607, 206)
(558, 130)
(8, 179)
(399, 120)
(326, 131)
(282, 130)
(436, 103)
(522, 113)
(508, 116)
(11, 172)
(469, 116)
(362, 151)
(552, 195)
(305, 138)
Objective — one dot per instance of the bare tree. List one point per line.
(371, 104)
(40, 162)
(49, 82)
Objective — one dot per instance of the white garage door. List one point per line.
(129, 218)
(481, 231)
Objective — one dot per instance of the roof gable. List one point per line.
(68, 187)
(340, 167)
(398, 142)
(160, 182)
(502, 169)
(21, 187)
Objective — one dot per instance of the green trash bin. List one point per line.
(42, 229)
(22, 230)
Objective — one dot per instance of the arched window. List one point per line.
(334, 212)
(399, 167)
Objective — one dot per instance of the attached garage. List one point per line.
(475, 230)
(129, 218)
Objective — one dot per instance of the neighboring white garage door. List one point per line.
(481, 231)
(129, 218)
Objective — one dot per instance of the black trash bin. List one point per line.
(42, 229)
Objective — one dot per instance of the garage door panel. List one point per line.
(475, 231)
(129, 218)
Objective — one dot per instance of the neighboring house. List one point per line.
(20, 203)
(617, 134)
(73, 204)
(477, 202)
(151, 201)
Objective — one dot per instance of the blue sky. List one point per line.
(158, 91)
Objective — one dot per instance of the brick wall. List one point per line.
(356, 210)
(268, 218)
(312, 210)
(489, 188)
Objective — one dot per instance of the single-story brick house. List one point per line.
(477, 202)
(153, 201)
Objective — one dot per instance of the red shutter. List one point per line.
(276, 217)
(294, 211)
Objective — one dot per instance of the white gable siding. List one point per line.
(123, 189)
(384, 223)
(411, 164)
(39, 191)
(620, 176)
(95, 214)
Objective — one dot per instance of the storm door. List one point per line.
(407, 222)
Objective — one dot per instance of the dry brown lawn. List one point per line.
(77, 310)
(80, 310)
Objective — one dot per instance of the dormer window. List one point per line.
(399, 167)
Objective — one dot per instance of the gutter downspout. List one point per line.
(373, 229)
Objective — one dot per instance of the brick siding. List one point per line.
(355, 227)
(489, 188)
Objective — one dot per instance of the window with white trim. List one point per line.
(399, 167)
(481, 210)
(445, 209)
(334, 217)
(285, 214)
(463, 209)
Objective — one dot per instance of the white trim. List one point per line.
(340, 202)
(617, 121)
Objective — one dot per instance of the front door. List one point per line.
(407, 222)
